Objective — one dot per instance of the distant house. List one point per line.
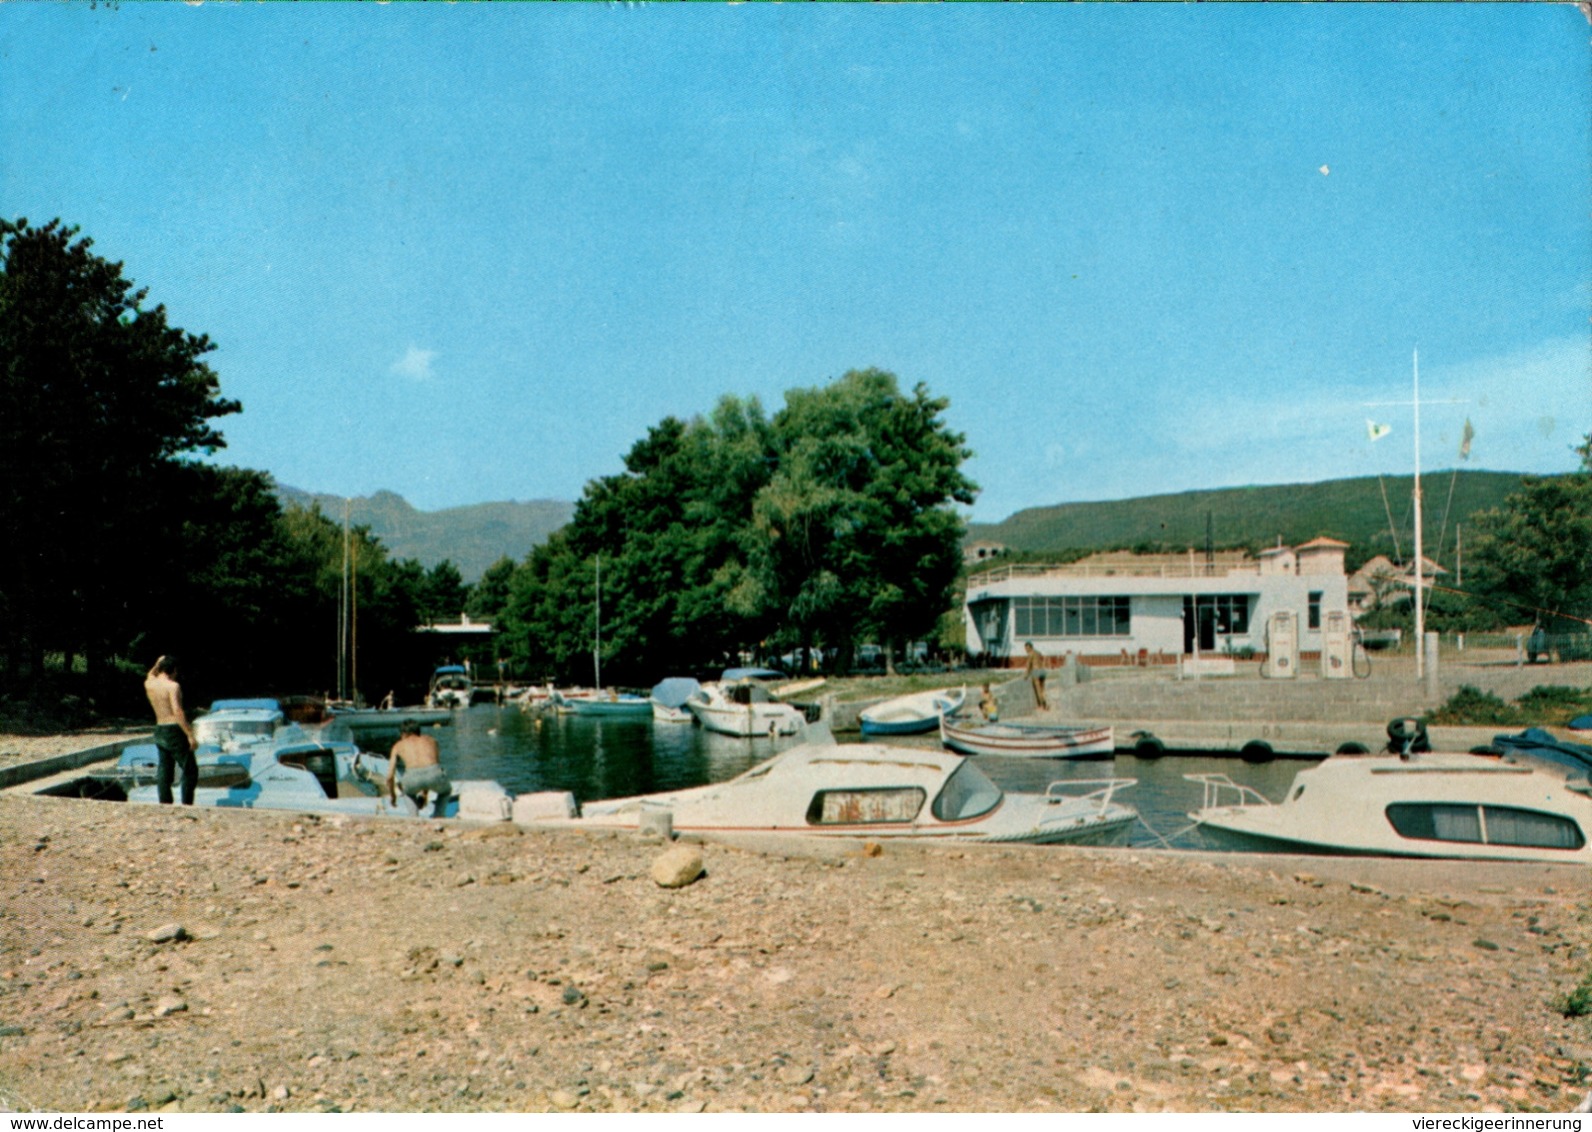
(1155, 608)
(1379, 583)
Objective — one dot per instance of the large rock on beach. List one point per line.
(677, 867)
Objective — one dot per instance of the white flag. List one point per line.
(1374, 431)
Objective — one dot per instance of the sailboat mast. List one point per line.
(353, 621)
(1420, 562)
(342, 616)
(597, 632)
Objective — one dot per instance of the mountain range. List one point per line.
(473, 537)
(1363, 512)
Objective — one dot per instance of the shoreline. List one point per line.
(389, 966)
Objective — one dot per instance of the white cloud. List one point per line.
(415, 364)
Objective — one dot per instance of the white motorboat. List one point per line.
(744, 707)
(451, 687)
(912, 714)
(865, 790)
(1480, 807)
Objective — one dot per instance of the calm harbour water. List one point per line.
(605, 758)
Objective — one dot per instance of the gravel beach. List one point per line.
(191, 960)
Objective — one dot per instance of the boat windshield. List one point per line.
(215, 730)
(968, 793)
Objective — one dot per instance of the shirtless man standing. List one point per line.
(173, 735)
(422, 768)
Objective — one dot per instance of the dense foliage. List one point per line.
(101, 397)
(1546, 705)
(120, 547)
(1533, 555)
(738, 536)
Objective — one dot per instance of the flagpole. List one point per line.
(1420, 607)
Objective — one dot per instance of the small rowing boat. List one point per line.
(912, 714)
(1026, 740)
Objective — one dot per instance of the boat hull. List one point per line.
(916, 714)
(663, 713)
(899, 727)
(374, 720)
(1022, 741)
(746, 720)
(626, 707)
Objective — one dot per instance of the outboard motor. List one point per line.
(1406, 736)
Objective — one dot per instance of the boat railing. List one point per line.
(1219, 790)
(1097, 790)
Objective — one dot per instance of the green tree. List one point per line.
(490, 596)
(677, 593)
(859, 531)
(445, 596)
(102, 397)
(735, 533)
(1534, 554)
(367, 636)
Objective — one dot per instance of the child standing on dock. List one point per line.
(989, 707)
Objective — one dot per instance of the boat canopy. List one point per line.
(675, 691)
(751, 674)
(1545, 745)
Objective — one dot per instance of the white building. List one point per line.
(1152, 609)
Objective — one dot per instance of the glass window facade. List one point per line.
(1071, 617)
(1229, 612)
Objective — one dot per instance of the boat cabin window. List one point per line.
(1507, 825)
(1490, 825)
(968, 793)
(865, 807)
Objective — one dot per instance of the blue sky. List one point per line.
(472, 252)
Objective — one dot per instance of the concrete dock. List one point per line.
(1302, 717)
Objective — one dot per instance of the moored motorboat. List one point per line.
(865, 790)
(1472, 806)
(451, 687)
(912, 714)
(1026, 740)
(744, 707)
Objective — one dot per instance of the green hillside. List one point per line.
(1351, 510)
(474, 537)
